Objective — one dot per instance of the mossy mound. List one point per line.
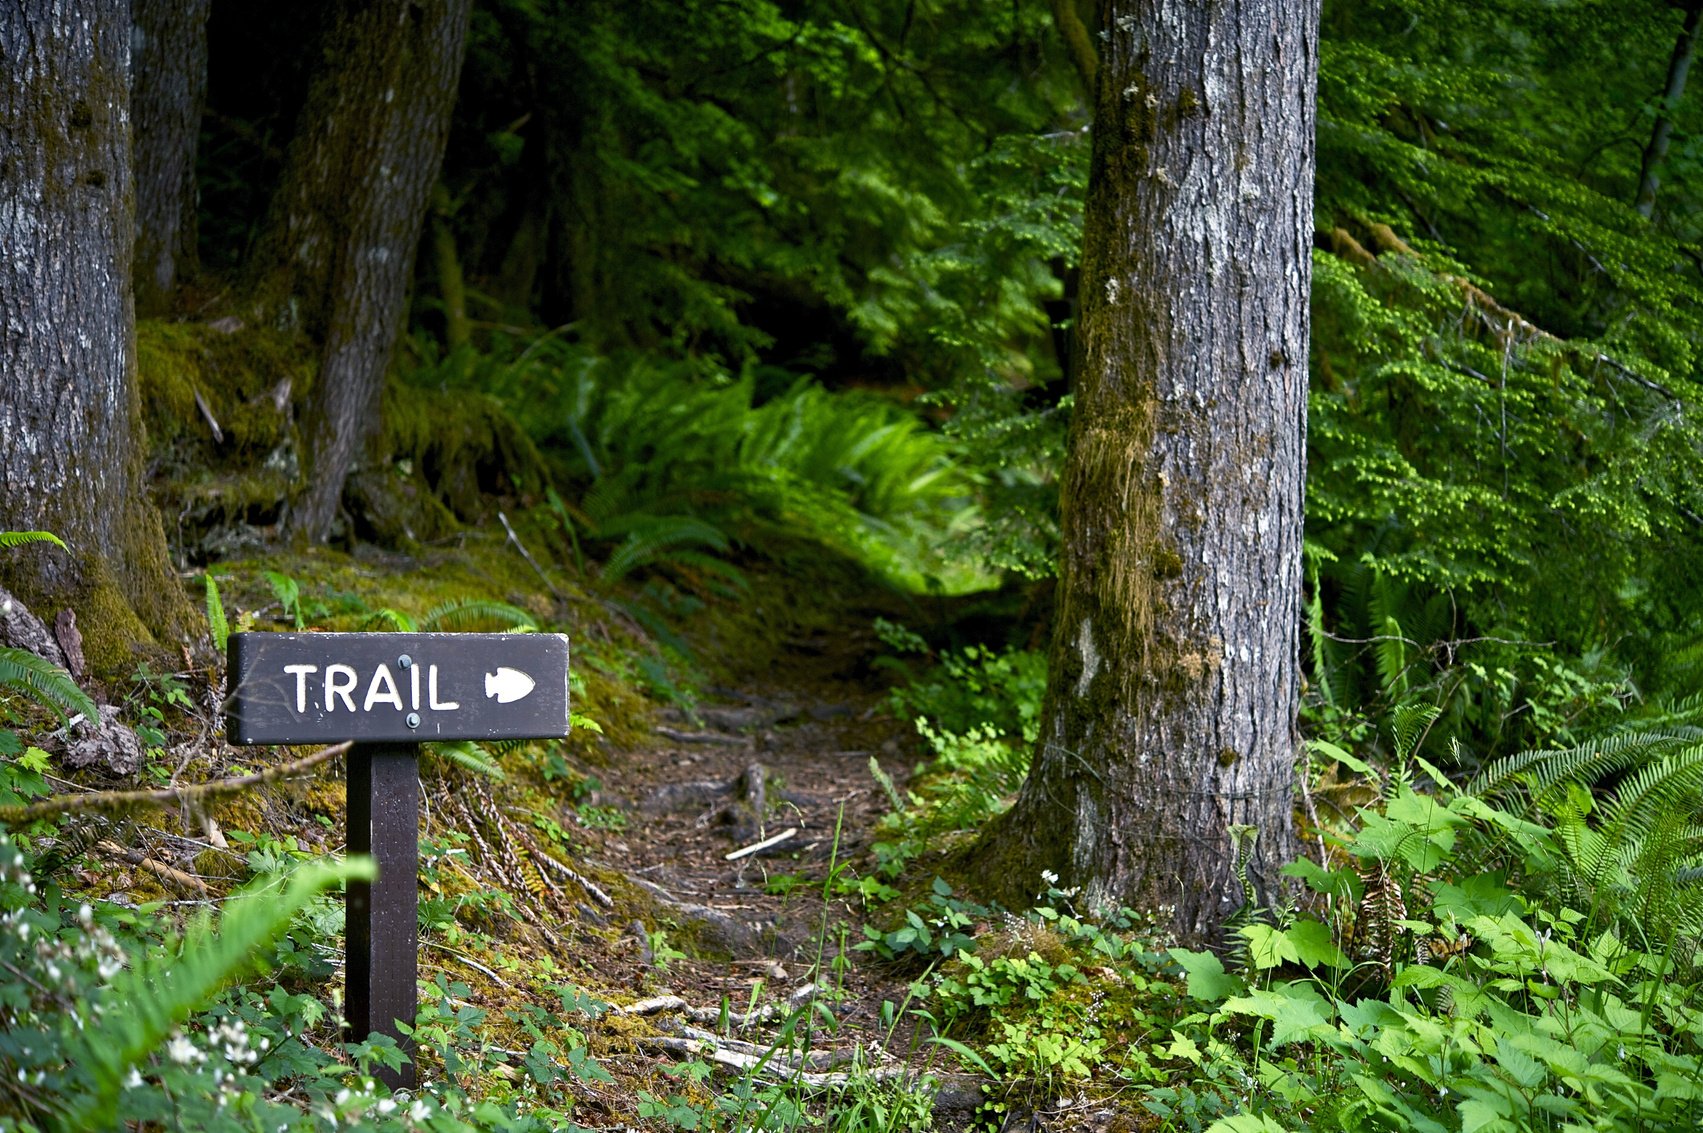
(445, 459)
(223, 403)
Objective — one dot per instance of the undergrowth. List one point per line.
(674, 463)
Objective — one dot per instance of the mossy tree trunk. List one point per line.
(71, 442)
(340, 239)
(1679, 65)
(1173, 678)
(168, 91)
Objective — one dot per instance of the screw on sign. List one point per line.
(390, 692)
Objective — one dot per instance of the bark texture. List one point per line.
(71, 443)
(168, 91)
(1173, 677)
(344, 226)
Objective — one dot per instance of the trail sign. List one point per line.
(291, 688)
(391, 692)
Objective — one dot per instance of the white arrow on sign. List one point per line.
(508, 685)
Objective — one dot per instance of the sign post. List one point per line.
(390, 692)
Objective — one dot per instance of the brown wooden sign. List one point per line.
(293, 688)
(391, 692)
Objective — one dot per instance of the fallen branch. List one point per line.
(167, 796)
(654, 1005)
(659, 1004)
(590, 887)
(745, 1062)
(176, 878)
(470, 962)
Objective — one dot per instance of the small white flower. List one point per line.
(386, 1107)
(419, 1111)
(135, 1079)
(183, 1051)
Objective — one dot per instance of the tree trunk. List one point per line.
(1078, 42)
(71, 442)
(1173, 676)
(168, 90)
(343, 229)
(1679, 65)
(452, 284)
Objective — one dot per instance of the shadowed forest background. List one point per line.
(740, 341)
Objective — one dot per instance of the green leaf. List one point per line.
(1312, 944)
(163, 989)
(1296, 1010)
(1525, 1070)
(1268, 947)
(469, 755)
(1484, 894)
(969, 1057)
(1338, 883)
(466, 614)
(1341, 755)
(1245, 1123)
(1207, 980)
(1485, 1115)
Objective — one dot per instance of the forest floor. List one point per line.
(599, 885)
(610, 864)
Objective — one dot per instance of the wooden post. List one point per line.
(392, 692)
(383, 925)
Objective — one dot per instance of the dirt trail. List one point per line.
(805, 731)
(788, 750)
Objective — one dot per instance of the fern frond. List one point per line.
(1408, 724)
(384, 618)
(465, 614)
(1390, 651)
(45, 683)
(469, 756)
(1318, 640)
(20, 538)
(1672, 785)
(731, 575)
(650, 536)
(216, 623)
(1590, 761)
(149, 1000)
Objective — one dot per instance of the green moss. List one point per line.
(1167, 563)
(462, 450)
(114, 636)
(246, 378)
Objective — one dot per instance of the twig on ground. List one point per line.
(527, 555)
(701, 737)
(759, 847)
